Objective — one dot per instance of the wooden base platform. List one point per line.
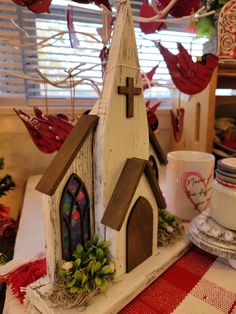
(118, 295)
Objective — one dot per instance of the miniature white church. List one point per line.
(101, 180)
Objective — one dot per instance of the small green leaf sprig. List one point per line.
(170, 228)
(88, 274)
(3, 259)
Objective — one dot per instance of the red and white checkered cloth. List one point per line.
(198, 283)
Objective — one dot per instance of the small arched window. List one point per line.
(154, 166)
(74, 216)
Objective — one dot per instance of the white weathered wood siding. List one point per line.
(82, 166)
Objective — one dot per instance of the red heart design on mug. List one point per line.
(197, 189)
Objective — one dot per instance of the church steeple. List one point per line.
(123, 130)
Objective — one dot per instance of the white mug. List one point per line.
(189, 179)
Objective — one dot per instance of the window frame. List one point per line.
(81, 211)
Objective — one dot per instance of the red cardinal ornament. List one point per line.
(188, 76)
(152, 118)
(97, 2)
(148, 77)
(177, 118)
(147, 11)
(182, 7)
(48, 132)
(36, 6)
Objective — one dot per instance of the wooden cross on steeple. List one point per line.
(129, 91)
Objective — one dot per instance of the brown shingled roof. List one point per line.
(65, 156)
(157, 147)
(124, 191)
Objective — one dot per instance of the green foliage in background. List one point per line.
(206, 26)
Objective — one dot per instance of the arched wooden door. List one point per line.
(139, 234)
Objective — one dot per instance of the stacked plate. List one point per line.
(226, 172)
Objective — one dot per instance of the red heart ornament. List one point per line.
(197, 189)
(177, 118)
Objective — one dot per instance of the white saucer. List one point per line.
(207, 234)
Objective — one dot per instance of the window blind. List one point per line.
(55, 59)
(10, 58)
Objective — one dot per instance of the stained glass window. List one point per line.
(75, 216)
(154, 166)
